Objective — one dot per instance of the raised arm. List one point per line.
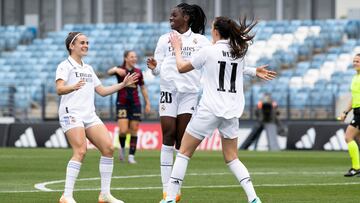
(182, 65)
(114, 70)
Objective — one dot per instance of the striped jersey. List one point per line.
(129, 94)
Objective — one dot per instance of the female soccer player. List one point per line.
(76, 82)
(128, 107)
(179, 92)
(353, 129)
(222, 102)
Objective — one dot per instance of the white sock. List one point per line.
(166, 163)
(177, 176)
(72, 172)
(243, 176)
(106, 168)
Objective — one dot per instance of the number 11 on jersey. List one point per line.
(222, 76)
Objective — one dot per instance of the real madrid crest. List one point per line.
(195, 41)
(162, 107)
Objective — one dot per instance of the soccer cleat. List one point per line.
(352, 172)
(122, 154)
(108, 198)
(131, 159)
(256, 200)
(64, 199)
(170, 201)
(177, 199)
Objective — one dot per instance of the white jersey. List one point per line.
(80, 102)
(223, 80)
(170, 78)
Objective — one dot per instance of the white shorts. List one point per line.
(203, 123)
(175, 103)
(73, 120)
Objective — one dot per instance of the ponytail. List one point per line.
(197, 17)
(238, 34)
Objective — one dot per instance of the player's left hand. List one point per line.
(264, 73)
(130, 79)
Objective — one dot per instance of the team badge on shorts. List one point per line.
(162, 108)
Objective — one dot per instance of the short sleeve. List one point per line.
(199, 59)
(62, 72)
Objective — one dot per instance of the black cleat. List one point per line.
(352, 172)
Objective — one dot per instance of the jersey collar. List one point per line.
(185, 34)
(222, 41)
(75, 64)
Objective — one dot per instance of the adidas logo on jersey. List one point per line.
(57, 140)
(307, 141)
(27, 139)
(337, 141)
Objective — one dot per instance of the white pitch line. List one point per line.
(193, 187)
(41, 187)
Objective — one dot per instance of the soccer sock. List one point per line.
(354, 154)
(133, 143)
(166, 163)
(72, 172)
(122, 139)
(177, 176)
(243, 176)
(106, 168)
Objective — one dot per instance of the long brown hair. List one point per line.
(71, 39)
(238, 34)
(126, 54)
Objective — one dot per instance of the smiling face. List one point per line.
(131, 59)
(178, 21)
(80, 46)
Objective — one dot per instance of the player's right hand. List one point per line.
(79, 84)
(151, 63)
(130, 79)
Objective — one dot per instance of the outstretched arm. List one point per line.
(265, 74)
(128, 80)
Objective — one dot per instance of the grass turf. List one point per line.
(288, 176)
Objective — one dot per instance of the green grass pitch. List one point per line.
(279, 177)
